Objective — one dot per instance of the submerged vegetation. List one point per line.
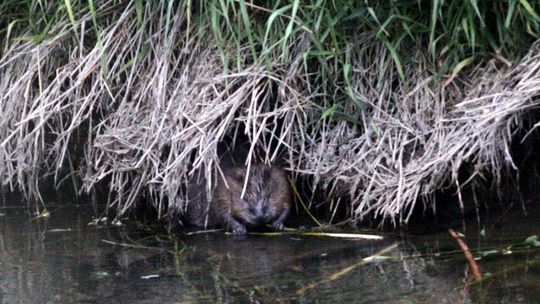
(377, 103)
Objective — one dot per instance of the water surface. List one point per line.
(63, 259)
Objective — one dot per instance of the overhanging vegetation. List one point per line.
(379, 103)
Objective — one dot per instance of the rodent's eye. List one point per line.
(252, 209)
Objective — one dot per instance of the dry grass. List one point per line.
(415, 140)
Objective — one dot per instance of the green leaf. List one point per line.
(248, 29)
(529, 9)
(271, 19)
(70, 14)
(474, 4)
(533, 241)
(329, 112)
(434, 11)
(509, 14)
(93, 13)
(461, 65)
(9, 28)
(139, 10)
(395, 57)
(288, 31)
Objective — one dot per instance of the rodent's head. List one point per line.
(267, 195)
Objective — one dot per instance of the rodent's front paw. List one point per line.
(277, 226)
(239, 229)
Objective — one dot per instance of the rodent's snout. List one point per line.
(259, 212)
(262, 218)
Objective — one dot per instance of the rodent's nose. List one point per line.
(259, 214)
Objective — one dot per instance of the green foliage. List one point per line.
(451, 30)
(454, 32)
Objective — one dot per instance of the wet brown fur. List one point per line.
(267, 199)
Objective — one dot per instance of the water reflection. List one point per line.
(63, 260)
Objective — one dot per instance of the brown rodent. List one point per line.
(267, 199)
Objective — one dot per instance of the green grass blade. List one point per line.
(71, 16)
(527, 6)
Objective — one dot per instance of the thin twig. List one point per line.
(346, 270)
(475, 270)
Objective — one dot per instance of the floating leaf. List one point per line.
(533, 241)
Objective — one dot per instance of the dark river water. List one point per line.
(63, 259)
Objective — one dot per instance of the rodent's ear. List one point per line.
(267, 172)
(239, 174)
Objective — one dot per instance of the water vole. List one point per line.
(267, 199)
